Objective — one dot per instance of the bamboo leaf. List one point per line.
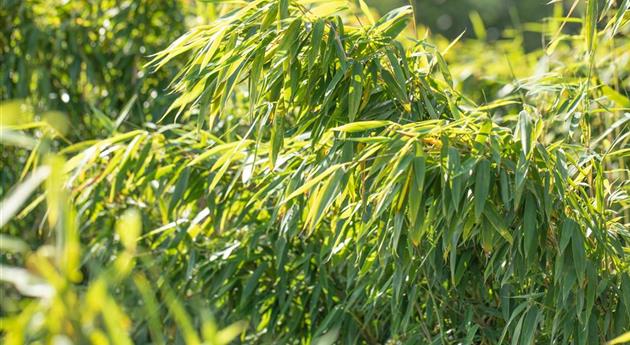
(590, 26)
(355, 91)
(579, 255)
(316, 41)
(482, 186)
(312, 182)
(366, 11)
(361, 126)
(530, 324)
(11, 204)
(620, 339)
(530, 227)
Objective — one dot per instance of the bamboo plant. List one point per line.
(326, 179)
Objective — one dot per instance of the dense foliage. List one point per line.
(318, 174)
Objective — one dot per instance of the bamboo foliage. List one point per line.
(328, 179)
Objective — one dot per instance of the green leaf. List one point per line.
(590, 25)
(579, 255)
(568, 228)
(316, 42)
(497, 223)
(322, 200)
(478, 27)
(251, 283)
(361, 126)
(624, 338)
(218, 149)
(254, 79)
(394, 22)
(484, 132)
(366, 11)
(470, 335)
(515, 313)
(290, 36)
(621, 100)
(619, 15)
(213, 46)
(483, 178)
(522, 169)
(525, 132)
(355, 91)
(129, 228)
(518, 329)
(399, 75)
(530, 227)
(419, 169)
(446, 73)
(180, 188)
(312, 182)
(12, 203)
(277, 137)
(530, 324)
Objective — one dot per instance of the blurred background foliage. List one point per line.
(85, 58)
(81, 63)
(451, 18)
